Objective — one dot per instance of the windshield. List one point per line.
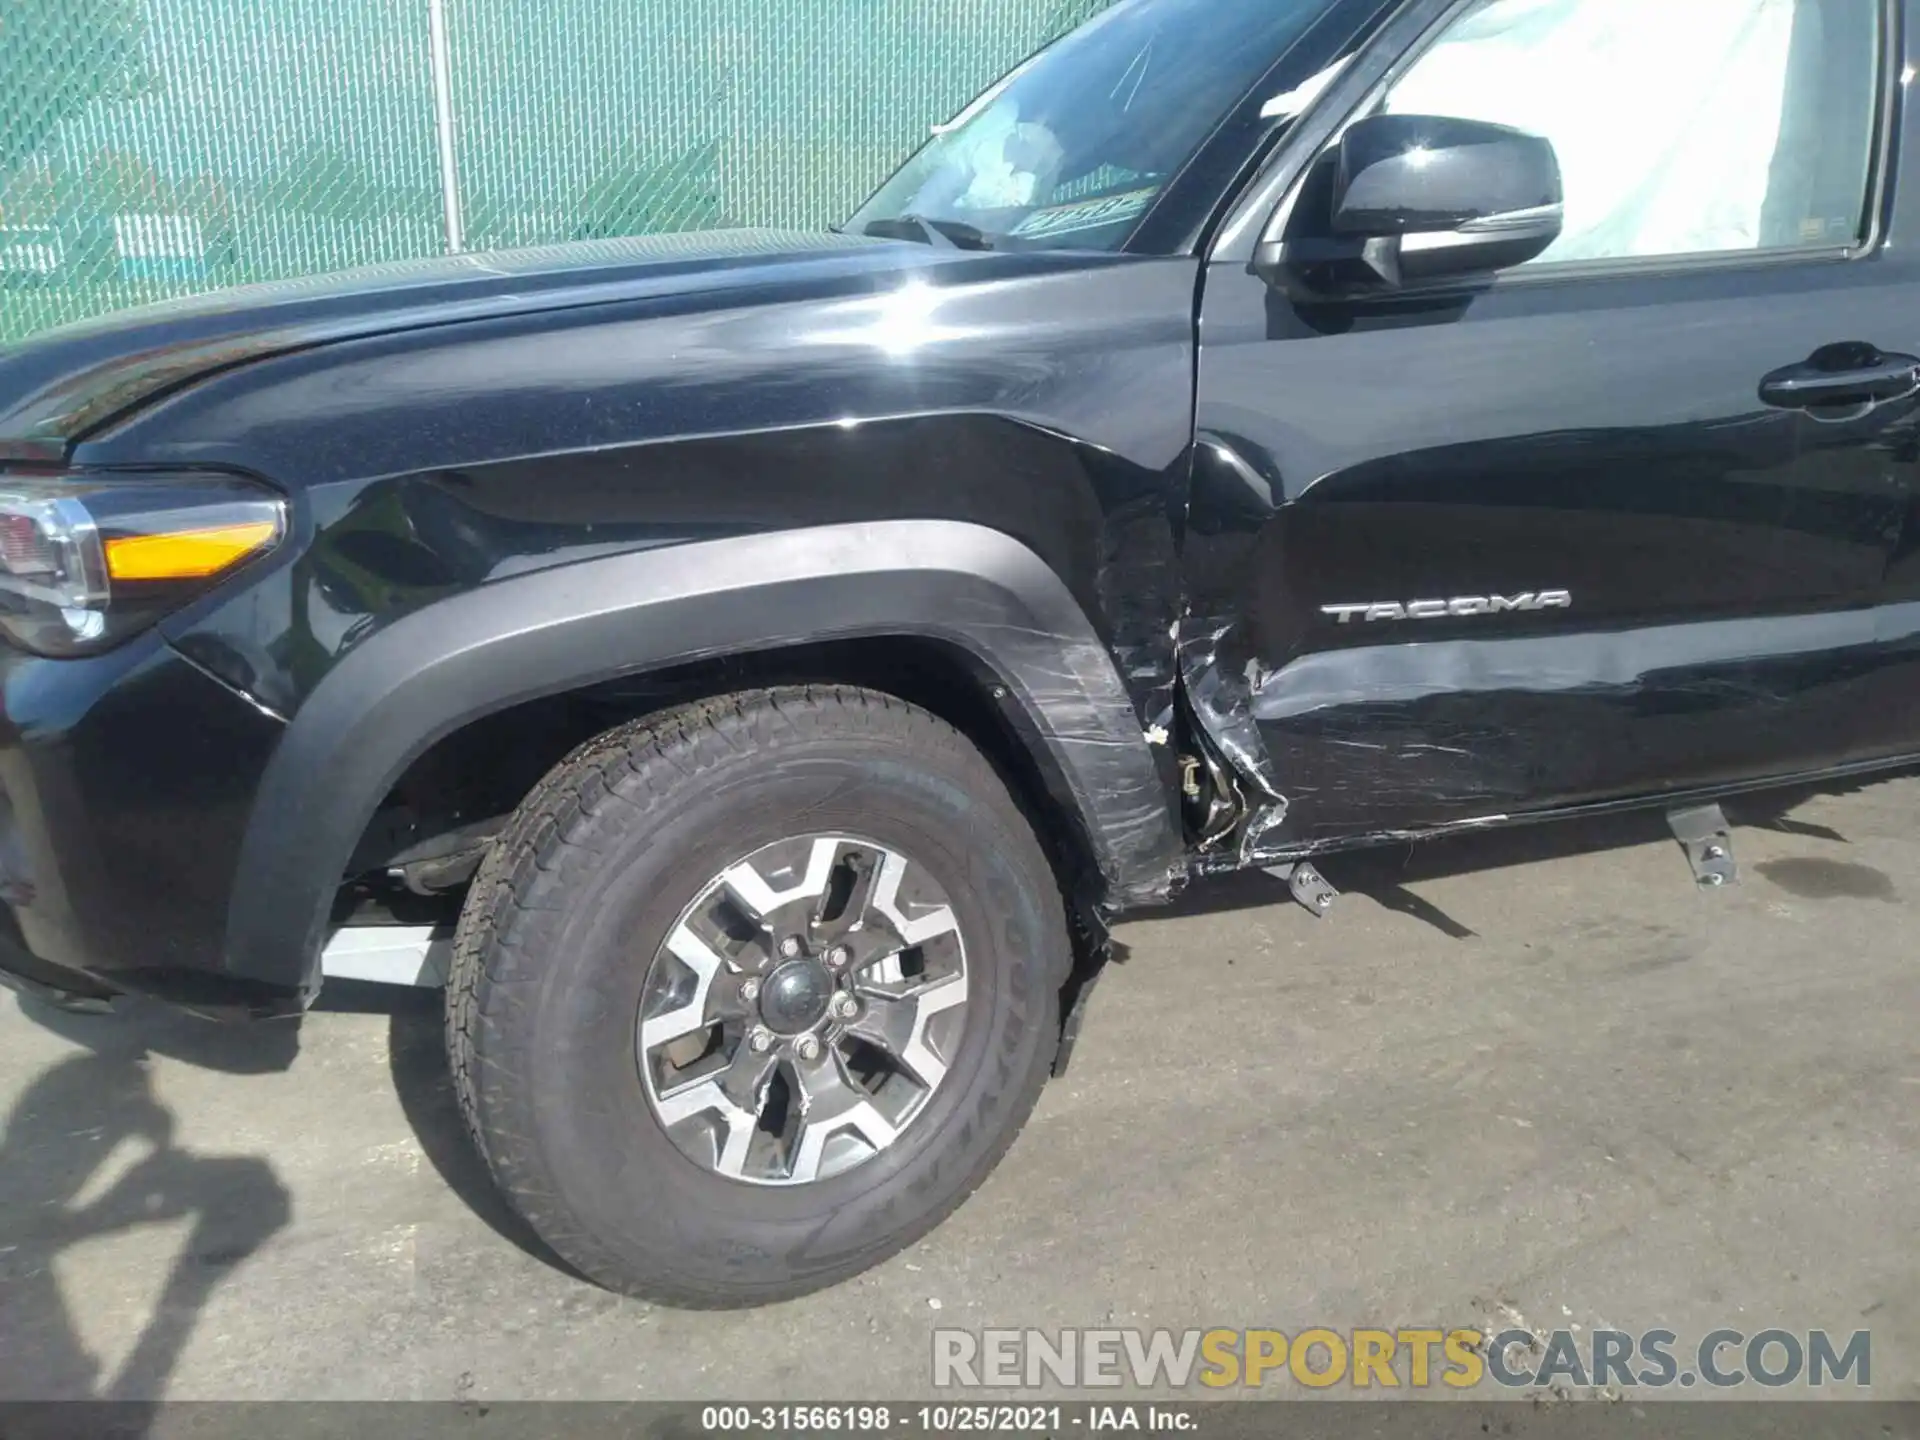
(1070, 149)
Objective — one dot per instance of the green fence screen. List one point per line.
(151, 148)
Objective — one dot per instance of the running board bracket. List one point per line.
(1707, 838)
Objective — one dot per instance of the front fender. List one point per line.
(442, 667)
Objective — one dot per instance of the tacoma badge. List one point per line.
(1466, 605)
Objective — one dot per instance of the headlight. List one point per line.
(85, 563)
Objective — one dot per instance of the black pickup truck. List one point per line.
(749, 670)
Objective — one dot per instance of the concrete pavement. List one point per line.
(1532, 1078)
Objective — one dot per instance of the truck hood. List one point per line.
(57, 388)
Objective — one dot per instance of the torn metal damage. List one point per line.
(1234, 492)
(1220, 701)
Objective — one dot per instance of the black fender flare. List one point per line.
(480, 652)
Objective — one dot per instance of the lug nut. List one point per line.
(789, 948)
(839, 957)
(761, 1041)
(845, 1007)
(749, 989)
(807, 1048)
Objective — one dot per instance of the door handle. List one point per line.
(1842, 376)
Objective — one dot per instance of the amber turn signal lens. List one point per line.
(88, 560)
(189, 554)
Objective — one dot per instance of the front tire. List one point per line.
(750, 996)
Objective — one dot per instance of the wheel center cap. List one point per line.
(796, 996)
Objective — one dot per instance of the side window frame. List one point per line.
(1278, 220)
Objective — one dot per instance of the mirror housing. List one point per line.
(1423, 198)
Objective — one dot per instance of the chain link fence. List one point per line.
(152, 148)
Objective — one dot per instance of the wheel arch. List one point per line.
(974, 591)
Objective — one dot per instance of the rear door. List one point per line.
(1538, 541)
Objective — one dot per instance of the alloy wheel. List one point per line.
(803, 1010)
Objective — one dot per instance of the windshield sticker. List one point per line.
(1084, 215)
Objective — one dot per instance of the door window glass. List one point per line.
(1682, 128)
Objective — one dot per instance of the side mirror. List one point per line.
(1420, 198)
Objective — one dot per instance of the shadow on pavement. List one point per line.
(138, 1028)
(95, 1121)
(88, 1151)
(417, 1057)
(1383, 874)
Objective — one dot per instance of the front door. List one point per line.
(1538, 541)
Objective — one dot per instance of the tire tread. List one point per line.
(544, 845)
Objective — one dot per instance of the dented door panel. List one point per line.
(1459, 561)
